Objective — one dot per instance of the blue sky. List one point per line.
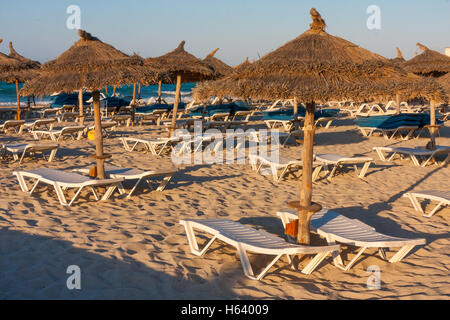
(240, 28)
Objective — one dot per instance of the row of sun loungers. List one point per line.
(62, 180)
(330, 162)
(419, 156)
(336, 229)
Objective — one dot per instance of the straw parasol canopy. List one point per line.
(92, 64)
(318, 67)
(220, 67)
(428, 63)
(181, 66)
(15, 68)
(445, 83)
(179, 62)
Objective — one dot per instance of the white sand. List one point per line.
(135, 249)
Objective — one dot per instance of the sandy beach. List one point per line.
(136, 249)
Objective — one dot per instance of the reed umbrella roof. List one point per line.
(180, 62)
(319, 67)
(220, 67)
(14, 67)
(428, 63)
(445, 83)
(92, 64)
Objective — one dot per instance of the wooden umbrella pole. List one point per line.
(175, 106)
(432, 127)
(139, 91)
(159, 91)
(80, 105)
(134, 94)
(306, 209)
(133, 102)
(114, 90)
(295, 113)
(397, 98)
(18, 100)
(106, 90)
(100, 157)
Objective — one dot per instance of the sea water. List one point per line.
(8, 93)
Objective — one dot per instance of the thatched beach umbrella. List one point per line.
(181, 66)
(428, 63)
(432, 64)
(15, 68)
(317, 67)
(220, 67)
(91, 64)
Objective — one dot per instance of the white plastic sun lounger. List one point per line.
(31, 148)
(46, 123)
(156, 145)
(136, 174)
(107, 127)
(443, 198)
(416, 154)
(68, 116)
(286, 165)
(58, 134)
(337, 161)
(14, 125)
(390, 134)
(246, 239)
(62, 180)
(337, 228)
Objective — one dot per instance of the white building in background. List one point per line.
(447, 51)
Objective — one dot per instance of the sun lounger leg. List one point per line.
(380, 154)
(392, 156)
(401, 253)
(351, 263)
(134, 187)
(415, 203)
(22, 183)
(363, 172)
(316, 173)
(337, 259)
(52, 155)
(333, 171)
(415, 160)
(60, 194)
(109, 192)
(75, 197)
(193, 241)
(34, 186)
(440, 204)
(314, 262)
(164, 183)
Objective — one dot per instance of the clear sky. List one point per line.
(240, 28)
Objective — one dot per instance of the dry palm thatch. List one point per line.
(399, 60)
(181, 63)
(220, 67)
(241, 66)
(92, 64)
(317, 66)
(445, 83)
(428, 63)
(15, 67)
